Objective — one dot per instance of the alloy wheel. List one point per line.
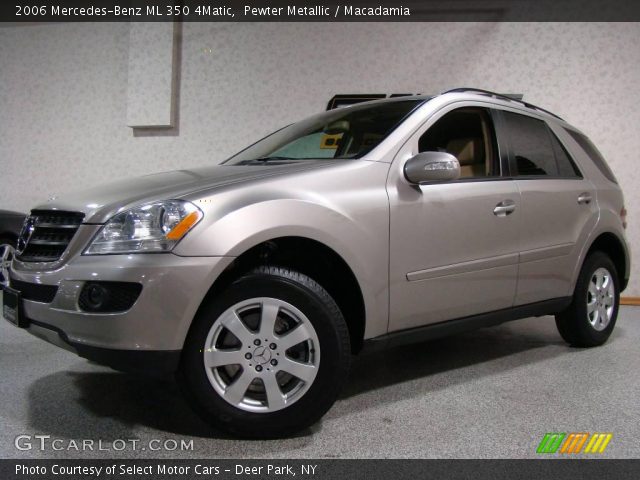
(6, 257)
(600, 299)
(262, 355)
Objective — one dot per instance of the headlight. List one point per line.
(155, 227)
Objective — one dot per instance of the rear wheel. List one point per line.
(593, 312)
(268, 356)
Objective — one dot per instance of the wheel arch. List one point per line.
(312, 258)
(614, 247)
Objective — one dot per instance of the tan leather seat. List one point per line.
(470, 154)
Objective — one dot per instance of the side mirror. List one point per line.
(432, 167)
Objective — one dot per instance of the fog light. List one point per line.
(108, 297)
(97, 296)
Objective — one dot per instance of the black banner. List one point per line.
(317, 11)
(318, 469)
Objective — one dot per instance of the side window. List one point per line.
(468, 135)
(530, 146)
(566, 166)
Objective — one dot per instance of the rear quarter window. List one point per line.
(566, 166)
(593, 153)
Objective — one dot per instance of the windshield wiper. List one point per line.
(268, 159)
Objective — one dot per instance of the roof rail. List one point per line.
(501, 97)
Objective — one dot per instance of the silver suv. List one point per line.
(364, 227)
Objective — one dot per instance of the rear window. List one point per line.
(593, 153)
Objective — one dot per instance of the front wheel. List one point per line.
(6, 257)
(589, 320)
(268, 356)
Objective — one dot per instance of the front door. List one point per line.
(453, 245)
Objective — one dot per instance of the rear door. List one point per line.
(558, 207)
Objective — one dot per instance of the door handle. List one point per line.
(504, 208)
(584, 198)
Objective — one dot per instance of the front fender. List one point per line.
(359, 234)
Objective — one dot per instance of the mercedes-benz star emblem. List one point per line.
(261, 355)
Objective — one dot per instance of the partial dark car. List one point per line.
(10, 226)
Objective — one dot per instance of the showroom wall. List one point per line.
(63, 91)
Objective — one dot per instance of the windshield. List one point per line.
(348, 132)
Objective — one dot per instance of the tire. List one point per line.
(584, 326)
(293, 404)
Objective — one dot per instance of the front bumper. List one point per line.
(154, 362)
(152, 331)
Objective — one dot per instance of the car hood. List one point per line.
(100, 203)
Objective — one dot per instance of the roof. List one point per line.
(504, 100)
(500, 96)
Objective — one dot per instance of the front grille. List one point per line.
(46, 234)
(35, 291)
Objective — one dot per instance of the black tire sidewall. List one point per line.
(332, 371)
